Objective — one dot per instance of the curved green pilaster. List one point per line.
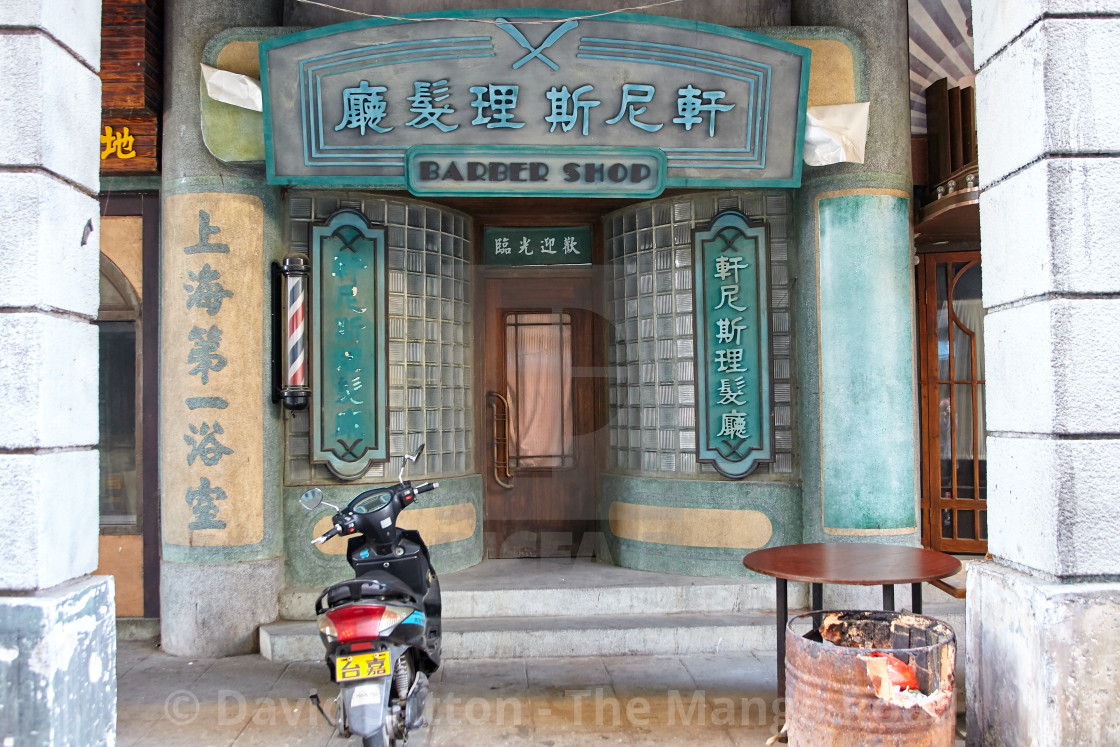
(854, 298)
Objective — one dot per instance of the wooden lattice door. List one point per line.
(951, 349)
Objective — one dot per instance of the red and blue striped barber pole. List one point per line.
(296, 393)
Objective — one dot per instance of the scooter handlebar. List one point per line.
(332, 532)
(424, 487)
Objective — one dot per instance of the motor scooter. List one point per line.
(381, 628)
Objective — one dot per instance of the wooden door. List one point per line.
(954, 463)
(543, 392)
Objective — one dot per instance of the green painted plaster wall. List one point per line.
(867, 430)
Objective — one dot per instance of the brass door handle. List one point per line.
(501, 438)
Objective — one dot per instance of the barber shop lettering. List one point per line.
(536, 171)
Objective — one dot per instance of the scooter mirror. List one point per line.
(409, 458)
(311, 499)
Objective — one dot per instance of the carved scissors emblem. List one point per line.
(536, 52)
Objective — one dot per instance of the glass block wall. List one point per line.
(651, 352)
(430, 372)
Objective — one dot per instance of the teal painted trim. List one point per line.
(802, 120)
(867, 388)
(266, 114)
(306, 566)
(848, 38)
(272, 543)
(130, 184)
(468, 151)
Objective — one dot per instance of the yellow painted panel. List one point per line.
(437, 525)
(122, 557)
(832, 74)
(241, 57)
(212, 430)
(122, 241)
(691, 527)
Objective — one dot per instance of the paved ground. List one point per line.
(634, 700)
(723, 700)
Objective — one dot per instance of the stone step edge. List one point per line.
(296, 603)
(560, 637)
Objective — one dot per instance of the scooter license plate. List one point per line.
(362, 666)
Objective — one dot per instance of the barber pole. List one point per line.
(296, 393)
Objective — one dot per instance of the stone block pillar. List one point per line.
(57, 635)
(854, 296)
(220, 446)
(1043, 614)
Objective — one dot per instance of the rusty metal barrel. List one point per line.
(839, 689)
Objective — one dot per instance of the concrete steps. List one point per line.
(561, 636)
(552, 608)
(562, 608)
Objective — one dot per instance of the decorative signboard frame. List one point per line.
(348, 104)
(731, 266)
(350, 400)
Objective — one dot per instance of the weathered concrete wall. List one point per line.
(57, 641)
(1042, 616)
(58, 665)
(1042, 659)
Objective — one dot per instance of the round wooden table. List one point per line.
(856, 563)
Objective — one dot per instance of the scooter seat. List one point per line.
(372, 587)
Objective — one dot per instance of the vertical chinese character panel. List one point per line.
(349, 351)
(212, 348)
(733, 357)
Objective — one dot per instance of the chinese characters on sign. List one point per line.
(349, 428)
(537, 246)
(119, 144)
(732, 317)
(205, 293)
(211, 407)
(365, 107)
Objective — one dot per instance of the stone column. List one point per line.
(220, 466)
(1044, 613)
(57, 623)
(854, 294)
